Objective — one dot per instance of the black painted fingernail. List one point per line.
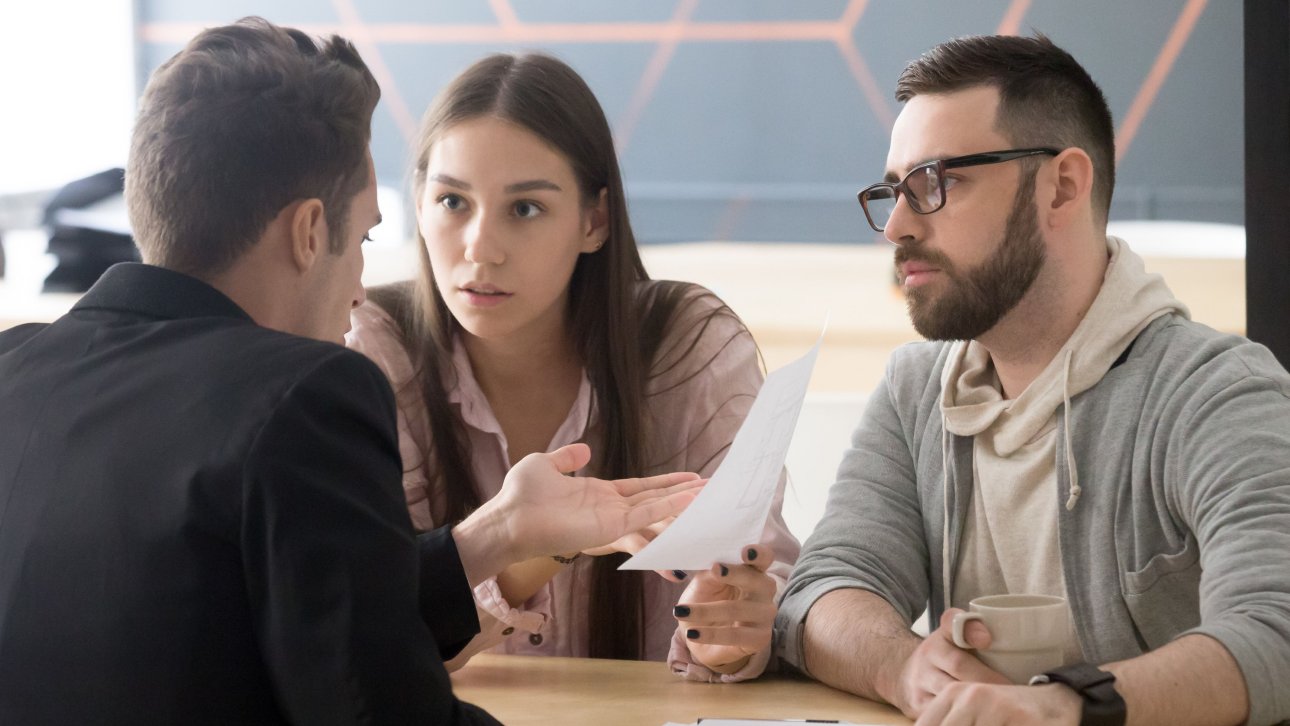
(680, 574)
(752, 554)
(681, 611)
(692, 634)
(725, 570)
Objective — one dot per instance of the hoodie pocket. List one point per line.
(1164, 596)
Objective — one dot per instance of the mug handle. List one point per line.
(961, 620)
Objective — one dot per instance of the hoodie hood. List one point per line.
(971, 400)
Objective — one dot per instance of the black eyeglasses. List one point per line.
(924, 185)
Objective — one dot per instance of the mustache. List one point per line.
(909, 253)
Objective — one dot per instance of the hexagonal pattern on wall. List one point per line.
(758, 119)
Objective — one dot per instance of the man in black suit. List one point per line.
(201, 517)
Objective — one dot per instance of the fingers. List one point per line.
(977, 635)
(657, 528)
(632, 543)
(630, 487)
(760, 556)
(975, 632)
(747, 639)
(958, 664)
(642, 515)
(691, 485)
(673, 575)
(751, 583)
(568, 459)
(726, 613)
(961, 665)
(938, 664)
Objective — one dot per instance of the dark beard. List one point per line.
(975, 301)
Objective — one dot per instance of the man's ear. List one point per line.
(308, 230)
(1070, 189)
(596, 223)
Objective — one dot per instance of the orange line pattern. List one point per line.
(1011, 22)
(355, 29)
(650, 78)
(1156, 78)
(505, 13)
(510, 29)
(643, 32)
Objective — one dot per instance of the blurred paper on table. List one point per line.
(730, 512)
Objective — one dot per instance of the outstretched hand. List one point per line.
(728, 611)
(547, 512)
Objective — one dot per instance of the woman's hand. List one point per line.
(728, 611)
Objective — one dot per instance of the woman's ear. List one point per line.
(596, 223)
(1070, 190)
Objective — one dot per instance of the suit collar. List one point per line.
(157, 292)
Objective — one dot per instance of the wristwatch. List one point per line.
(1102, 703)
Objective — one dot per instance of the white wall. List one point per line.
(822, 435)
(67, 91)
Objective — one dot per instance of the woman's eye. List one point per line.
(527, 210)
(452, 202)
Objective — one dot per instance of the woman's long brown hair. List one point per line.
(617, 330)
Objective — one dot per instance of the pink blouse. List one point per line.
(693, 413)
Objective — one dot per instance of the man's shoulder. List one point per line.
(1181, 349)
(216, 356)
(282, 356)
(19, 334)
(918, 364)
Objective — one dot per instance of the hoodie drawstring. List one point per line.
(945, 506)
(1075, 489)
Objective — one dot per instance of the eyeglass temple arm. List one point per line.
(994, 157)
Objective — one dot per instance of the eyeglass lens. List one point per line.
(922, 188)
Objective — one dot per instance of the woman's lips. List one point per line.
(484, 296)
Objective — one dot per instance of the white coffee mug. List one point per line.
(1027, 633)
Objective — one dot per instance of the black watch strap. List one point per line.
(1102, 703)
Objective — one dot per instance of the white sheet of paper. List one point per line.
(730, 513)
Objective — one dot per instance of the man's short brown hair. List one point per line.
(246, 119)
(1046, 98)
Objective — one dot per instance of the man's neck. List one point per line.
(261, 290)
(1026, 340)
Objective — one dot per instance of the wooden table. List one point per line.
(520, 690)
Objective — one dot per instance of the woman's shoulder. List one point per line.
(691, 328)
(676, 308)
(375, 333)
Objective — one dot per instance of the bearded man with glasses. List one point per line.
(1066, 431)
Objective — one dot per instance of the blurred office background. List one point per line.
(745, 127)
(750, 120)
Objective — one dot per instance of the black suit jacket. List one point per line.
(201, 521)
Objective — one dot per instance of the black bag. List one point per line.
(84, 247)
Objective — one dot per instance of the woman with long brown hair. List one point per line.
(533, 324)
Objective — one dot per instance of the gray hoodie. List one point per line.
(1181, 523)
(1009, 542)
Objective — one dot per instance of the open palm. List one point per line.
(556, 513)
